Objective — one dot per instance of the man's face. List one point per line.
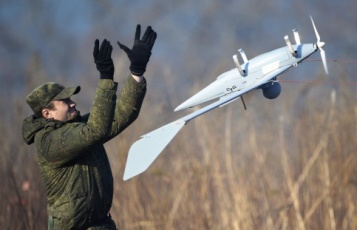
(64, 110)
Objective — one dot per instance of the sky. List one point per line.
(196, 39)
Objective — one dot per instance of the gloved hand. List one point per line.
(140, 54)
(103, 59)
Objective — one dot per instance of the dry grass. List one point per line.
(283, 164)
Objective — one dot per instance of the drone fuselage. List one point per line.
(260, 68)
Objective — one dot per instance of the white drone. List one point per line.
(257, 73)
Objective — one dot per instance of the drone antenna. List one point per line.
(245, 107)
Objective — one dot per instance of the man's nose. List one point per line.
(72, 103)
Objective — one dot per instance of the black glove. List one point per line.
(140, 54)
(103, 59)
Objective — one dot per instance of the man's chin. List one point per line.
(73, 115)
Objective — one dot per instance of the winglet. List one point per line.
(144, 151)
(238, 66)
(290, 47)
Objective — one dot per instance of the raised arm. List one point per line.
(132, 96)
(70, 139)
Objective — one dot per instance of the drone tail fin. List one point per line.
(144, 151)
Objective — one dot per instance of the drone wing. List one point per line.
(144, 151)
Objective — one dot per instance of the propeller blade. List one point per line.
(323, 58)
(317, 33)
(319, 45)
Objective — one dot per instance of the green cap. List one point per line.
(43, 94)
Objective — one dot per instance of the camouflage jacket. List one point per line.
(73, 162)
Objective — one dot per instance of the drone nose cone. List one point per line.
(320, 44)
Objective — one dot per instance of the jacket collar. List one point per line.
(32, 125)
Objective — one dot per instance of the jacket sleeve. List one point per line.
(128, 105)
(64, 144)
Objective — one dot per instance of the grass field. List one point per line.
(289, 163)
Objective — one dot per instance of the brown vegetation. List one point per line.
(289, 163)
(229, 170)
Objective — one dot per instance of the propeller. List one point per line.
(319, 45)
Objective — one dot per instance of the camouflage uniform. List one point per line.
(73, 162)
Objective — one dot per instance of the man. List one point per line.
(73, 162)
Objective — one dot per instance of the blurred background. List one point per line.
(288, 163)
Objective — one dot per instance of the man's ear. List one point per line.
(46, 113)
